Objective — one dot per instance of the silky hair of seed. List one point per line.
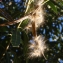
(37, 47)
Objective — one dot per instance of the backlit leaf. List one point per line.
(52, 6)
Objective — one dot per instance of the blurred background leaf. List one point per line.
(52, 6)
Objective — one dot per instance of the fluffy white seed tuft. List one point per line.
(37, 15)
(37, 47)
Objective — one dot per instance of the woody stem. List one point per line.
(33, 29)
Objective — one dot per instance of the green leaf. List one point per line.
(16, 38)
(25, 42)
(16, 60)
(24, 23)
(7, 57)
(24, 37)
(28, 5)
(52, 6)
(3, 29)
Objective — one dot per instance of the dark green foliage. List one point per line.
(52, 6)
(16, 38)
(11, 36)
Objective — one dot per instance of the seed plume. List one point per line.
(37, 47)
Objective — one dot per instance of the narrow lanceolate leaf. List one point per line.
(24, 23)
(16, 38)
(52, 6)
(7, 57)
(24, 37)
(28, 5)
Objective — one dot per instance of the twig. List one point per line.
(16, 21)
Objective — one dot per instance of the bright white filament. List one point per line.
(37, 47)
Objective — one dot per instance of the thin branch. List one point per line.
(16, 21)
(30, 16)
(6, 15)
